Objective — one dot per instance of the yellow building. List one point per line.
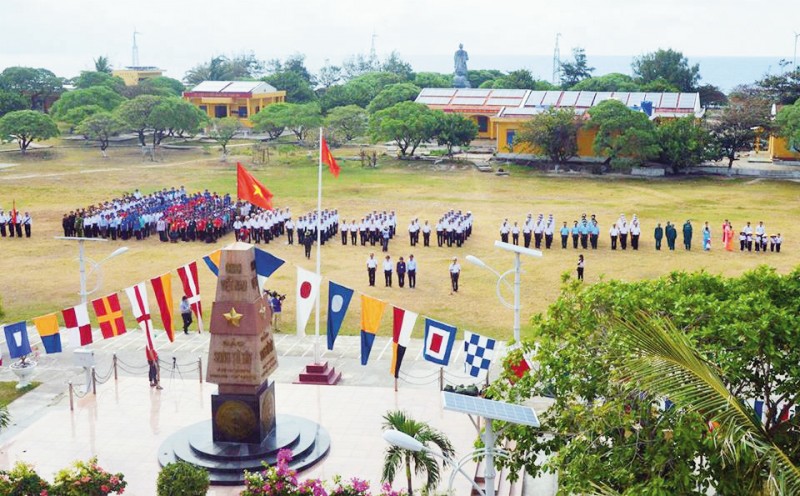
(135, 75)
(500, 114)
(239, 99)
(779, 146)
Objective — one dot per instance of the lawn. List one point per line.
(9, 392)
(40, 275)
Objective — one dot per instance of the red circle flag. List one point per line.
(305, 289)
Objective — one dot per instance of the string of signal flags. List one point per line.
(439, 337)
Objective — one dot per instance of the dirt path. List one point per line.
(93, 171)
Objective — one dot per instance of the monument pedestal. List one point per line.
(320, 374)
(244, 430)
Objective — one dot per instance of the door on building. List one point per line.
(220, 111)
(483, 124)
(510, 134)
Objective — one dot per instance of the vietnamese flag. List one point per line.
(248, 188)
(327, 158)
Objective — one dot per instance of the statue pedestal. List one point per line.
(244, 418)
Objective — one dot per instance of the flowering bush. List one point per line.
(22, 480)
(87, 479)
(281, 480)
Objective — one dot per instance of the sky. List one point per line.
(65, 36)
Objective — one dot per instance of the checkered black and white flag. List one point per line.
(478, 352)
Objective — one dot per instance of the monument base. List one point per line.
(320, 374)
(244, 418)
(226, 462)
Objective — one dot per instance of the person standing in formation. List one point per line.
(412, 272)
(564, 236)
(761, 233)
(549, 230)
(387, 271)
(687, 235)
(538, 230)
(581, 266)
(504, 230)
(372, 266)
(575, 233)
(613, 233)
(26, 224)
(622, 225)
(401, 272)
(515, 234)
(706, 237)
(594, 233)
(353, 232)
(635, 231)
(308, 240)
(386, 235)
(527, 229)
(4, 220)
(345, 229)
(426, 234)
(440, 233)
(658, 234)
(455, 272)
(186, 314)
(727, 235)
(672, 234)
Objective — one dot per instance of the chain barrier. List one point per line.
(423, 380)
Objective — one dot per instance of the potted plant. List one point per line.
(182, 479)
(24, 368)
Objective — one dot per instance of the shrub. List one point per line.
(87, 479)
(22, 480)
(182, 479)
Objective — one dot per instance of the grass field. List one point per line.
(40, 275)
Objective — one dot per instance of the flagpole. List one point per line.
(319, 249)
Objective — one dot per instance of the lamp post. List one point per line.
(517, 270)
(82, 259)
(406, 442)
(794, 57)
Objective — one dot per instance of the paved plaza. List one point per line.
(125, 423)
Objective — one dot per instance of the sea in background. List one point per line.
(724, 72)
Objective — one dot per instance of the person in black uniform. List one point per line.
(308, 240)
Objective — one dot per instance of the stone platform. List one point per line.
(226, 462)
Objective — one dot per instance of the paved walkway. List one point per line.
(125, 423)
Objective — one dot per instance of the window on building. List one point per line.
(483, 124)
(258, 109)
(204, 109)
(510, 134)
(220, 111)
(242, 111)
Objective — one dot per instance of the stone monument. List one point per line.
(460, 58)
(244, 429)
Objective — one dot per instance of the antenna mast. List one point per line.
(556, 60)
(373, 55)
(135, 50)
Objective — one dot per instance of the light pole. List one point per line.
(794, 57)
(517, 270)
(82, 259)
(406, 442)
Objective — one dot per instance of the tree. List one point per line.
(407, 123)
(26, 126)
(102, 64)
(163, 86)
(297, 89)
(358, 65)
(608, 82)
(622, 133)
(788, 124)
(684, 142)
(453, 130)
(573, 73)
(271, 119)
(433, 80)
(136, 113)
(295, 64)
(347, 123)
(10, 101)
(75, 116)
(781, 88)
(521, 79)
(395, 65)
(602, 429)
(223, 68)
(711, 96)
(88, 79)
(554, 132)
(357, 91)
(391, 95)
(478, 77)
(733, 129)
(299, 118)
(37, 85)
(101, 126)
(420, 461)
(329, 75)
(670, 65)
(663, 360)
(99, 96)
(174, 116)
(223, 130)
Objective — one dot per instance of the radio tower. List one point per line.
(135, 50)
(556, 60)
(373, 55)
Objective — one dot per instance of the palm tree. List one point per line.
(422, 461)
(102, 64)
(664, 362)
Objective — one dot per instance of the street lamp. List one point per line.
(517, 270)
(794, 57)
(82, 259)
(406, 442)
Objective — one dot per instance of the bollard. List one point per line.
(94, 381)
(71, 401)
(114, 361)
(174, 363)
(441, 378)
(200, 368)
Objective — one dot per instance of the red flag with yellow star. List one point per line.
(250, 189)
(327, 158)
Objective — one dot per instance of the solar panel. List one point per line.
(433, 100)
(468, 101)
(637, 99)
(535, 98)
(211, 86)
(585, 99)
(438, 92)
(601, 96)
(621, 97)
(551, 98)
(569, 98)
(490, 409)
(669, 100)
(509, 93)
(473, 92)
(241, 86)
(687, 100)
(655, 98)
(504, 101)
